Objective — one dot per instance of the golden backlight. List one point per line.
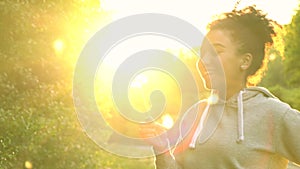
(139, 91)
(58, 46)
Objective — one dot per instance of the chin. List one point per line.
(206, 83)
(207, 86)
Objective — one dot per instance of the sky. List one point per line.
(198, 12)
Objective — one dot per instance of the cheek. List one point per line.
(231, 67)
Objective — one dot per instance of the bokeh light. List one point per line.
(28, 165)
(167, 121)
(58, 46)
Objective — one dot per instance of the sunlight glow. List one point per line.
(58, 46)
(139, 81)
(167, 121)
(272, 57)
(213, 99)
(28, 165)
(200, 12)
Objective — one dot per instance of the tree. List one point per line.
(292, 51)
(39, 44)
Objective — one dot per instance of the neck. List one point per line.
(233, 89)
(227, 92)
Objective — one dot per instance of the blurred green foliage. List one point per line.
(292, 51)
(283, 75)
(276, 81)
(38, 123)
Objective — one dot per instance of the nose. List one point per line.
(201, 65)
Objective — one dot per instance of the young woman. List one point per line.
(247, 127)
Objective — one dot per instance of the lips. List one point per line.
(206, 74)
(206, 70)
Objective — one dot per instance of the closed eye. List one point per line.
(219, 48)
(219, 51)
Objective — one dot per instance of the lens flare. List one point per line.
(28, 165)
(58, 46)
(167, 121)
(213, 99)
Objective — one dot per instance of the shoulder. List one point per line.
(276, 104)
(265, 102)
(266, 99)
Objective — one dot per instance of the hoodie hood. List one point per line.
(213, 113)
(248, 95)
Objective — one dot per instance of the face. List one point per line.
(219, 61)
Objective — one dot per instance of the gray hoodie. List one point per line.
(254, 130)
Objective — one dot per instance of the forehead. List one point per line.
(219, 38)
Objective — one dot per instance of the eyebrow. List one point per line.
(218, 45)
(213, 46)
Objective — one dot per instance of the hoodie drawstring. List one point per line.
(240, 117)
(240, 121)
(199, 127)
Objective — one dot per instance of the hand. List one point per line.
(155, 135)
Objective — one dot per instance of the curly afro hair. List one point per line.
(251, 31)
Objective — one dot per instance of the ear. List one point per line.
(246, 61)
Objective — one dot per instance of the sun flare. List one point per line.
(168, 121)
(58, 46)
